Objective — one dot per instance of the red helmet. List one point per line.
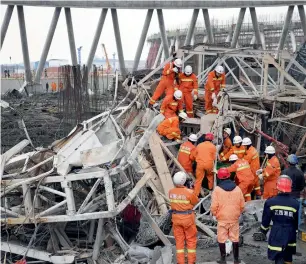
(284, 184)
(223, 173)
(209, 136)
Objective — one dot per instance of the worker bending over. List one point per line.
(244, 175)
(205, 156)
(167, 82)
(172, 104)
(170, 128)
(186, 154)
(283, 211)
(227, 143)
(252, 157)
(270, 173)
(215, 82)
(227, 205)
(237, 149)
(182, 200)
(189, 87)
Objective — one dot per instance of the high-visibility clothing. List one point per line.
(205, 155)
(166, 83)
(170, 128)
(213, 85)
(186, 156)
(53, 87)
(227, 231)
(170, 106)
(226, 146)
(239, 151)
(244, 177)
(283, 211)
(187, 85)
(271, 173)
(182, 200)
(252, 157)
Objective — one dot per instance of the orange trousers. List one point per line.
(208, 104)
(270, 189)
(246, 188)
(257, 185)
(227, 231)
(203, 169)
(188, 234)
(188, 100)
(163, 86)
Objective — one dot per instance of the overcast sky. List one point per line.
(85, 20)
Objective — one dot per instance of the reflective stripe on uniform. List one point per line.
(152, 100)
(162, 111)
(275, 248)
(189, 112)
(222, 85)
(212, 89)
(221, 154)
(257, 188)
(175, 88)
(219, 79)
(243, 167)
(180, 251)
(174, 103)
(175, 134)
(191, 250)
(239, 151)
(184, 151)
(292, 244)
(265, 228)
(179, 201)
(256, 156)
(186, 80)
(247, 195)
(276, 207)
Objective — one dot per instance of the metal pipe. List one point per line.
(69, 197)
(45, 188)
(255, 24)
(109, 193)
(46, 48)
(97, 245)
(6, 22)
(163, 32)
(9, 212)
(303, 18)
(51, 209)
(284, 34)
(263, 40)
(191, 27)
(208, 27)
(238, 27)
(71, 36)
(293, 41)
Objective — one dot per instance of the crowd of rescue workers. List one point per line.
(237, 183)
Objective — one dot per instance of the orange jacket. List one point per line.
(169, 106)
(214, 84)
(227, 145)
(252, 157)
(170, 128)
(168, 73)
(188, 83)
(186, 155)
(243, 171)
(240, 152)
(205, 153)
(227, 206)
(272, 170)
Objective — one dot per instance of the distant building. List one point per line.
(57, 62)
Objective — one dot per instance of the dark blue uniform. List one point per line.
(283, 211)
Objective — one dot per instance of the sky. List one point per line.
(38, 20)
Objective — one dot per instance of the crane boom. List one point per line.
(108, 66)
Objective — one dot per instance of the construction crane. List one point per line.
(108, 66)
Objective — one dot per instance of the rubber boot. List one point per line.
(222, 260)
(279, 260)
(236, 252)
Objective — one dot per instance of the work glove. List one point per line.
(260, 176)
(213, 96)
(215, 102)
(175, 70)
(258, 171)
(195, 97)
(179, 141)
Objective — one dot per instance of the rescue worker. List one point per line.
(205, 156)
(170, 128)
(252, 157)
(227, 143)
(296, 175)
(172, 104)
(237, 149)
(270, 173)
(167, 82)
(244, 175)
(189, 87)
(283, 211)
(215, 82)
(187, 153)
(227, 213)
(182, 200)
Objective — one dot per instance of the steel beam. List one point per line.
(293, 41)
(6, 22)
(118, 42)
(163, 32)
(263, 40)
(285, 28)
(74, 60)
(24, 44)
(191, 27)
(96, 38)
(142, 38)
(47, 45)
(238, 27)
(208, 26)
(303, 18)
(255, 25)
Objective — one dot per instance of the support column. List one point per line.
(69, 197)
(70, 32)
(191, 27)
(208, 27)
(142, 38)
(238, 28)
(285, 28)
(293, 41)
(163, 33)
(6, 22)
(118, 42)
(157, 59)
(303, 18)
(47, 45)
(263, 40)
(95, 41)
(255, 25)
(24, 44)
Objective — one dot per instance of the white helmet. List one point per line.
(228, 131)
(183, 115)
(193, 137)
(233, 157)
(178, 94)
(246, 141)
(219, 69)
(188, 70)
(270, 150)
(178, 63)
(237, 140)
(179, 178)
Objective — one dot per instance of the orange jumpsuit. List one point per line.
(166, 83)
(186, 156)
(182, 200)
(53, 87)
(187, 85)
(170, 128)
(252, 157)
(271, 173)
(170, 106)
(213, 85)
(205, 156)
(227, 145)
(244, 177)
(227, 206)
(240, 152)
